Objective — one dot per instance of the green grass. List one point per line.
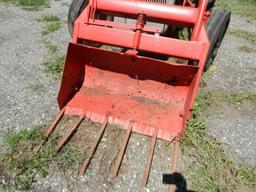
(247, 49)
(52, 48)
(36, 88)
(55, 66)
(24, 165)
(213, 171)
(214, 98)
(29, 4)
(51, 27)
(249, 36)
(49, 18)
(244, 8)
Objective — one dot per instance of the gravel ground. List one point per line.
(22, 54)
(235, 72)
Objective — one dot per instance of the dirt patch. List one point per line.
(84, 138)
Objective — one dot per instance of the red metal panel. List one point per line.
(150, 43)
(157, 11)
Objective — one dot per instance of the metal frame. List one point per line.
(135, 38)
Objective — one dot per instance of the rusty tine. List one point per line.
(69, 133)
(93, 149)
(118, 162)
(55, 122)
(149, 158)
(51, 128)
(174, 162)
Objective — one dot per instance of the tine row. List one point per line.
(117, 163)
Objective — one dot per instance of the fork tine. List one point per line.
(118, 162)
(93, 149)
(149, 158)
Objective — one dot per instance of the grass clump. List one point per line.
(55, 66)
(52, 48)
(244, 8)
(247, 49)
(49, 18)
(216, 97)
(36, 88)
(32, 5)
(24, 166)
(212, 170)
(50, 27)
(249, 36)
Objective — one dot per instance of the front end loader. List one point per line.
(128, 64)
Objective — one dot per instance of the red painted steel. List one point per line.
(153, 94)
(154, 11)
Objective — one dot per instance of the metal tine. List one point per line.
(69, 133)
(51, 128)
(94, 148)
(118, 162)
(174, 163)
(149, 158)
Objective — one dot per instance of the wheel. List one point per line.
(210, 4)
(216, 28)
(75, 9)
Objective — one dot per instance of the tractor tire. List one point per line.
(75, 9)
(216, 28)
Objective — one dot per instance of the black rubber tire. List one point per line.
(216, 28)
(75, 9)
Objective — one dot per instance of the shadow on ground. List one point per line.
(178, 180)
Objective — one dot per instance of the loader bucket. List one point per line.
(148, 92)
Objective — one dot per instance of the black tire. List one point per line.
(216, 28)
(75, 9)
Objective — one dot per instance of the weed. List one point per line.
(69, 157)
(249, 36)
(52, 26)
(49, 18)
(23, 165)
(213, 98)
(247, 175)
(244, 8)
(55, 66)
(52, 48)
(247, 49)
(36, 88)
(212, 171)
(29, 4)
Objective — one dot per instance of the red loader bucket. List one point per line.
(150, 93)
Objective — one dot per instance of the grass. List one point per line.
(247, 49)
(29, 4)
(55, 66)
(51, 27)
(215, 98)
(213, 171)
(244, 8)
(249, 36)
(49, 18)
(52, 48)
(36, 88)
(24, 165)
